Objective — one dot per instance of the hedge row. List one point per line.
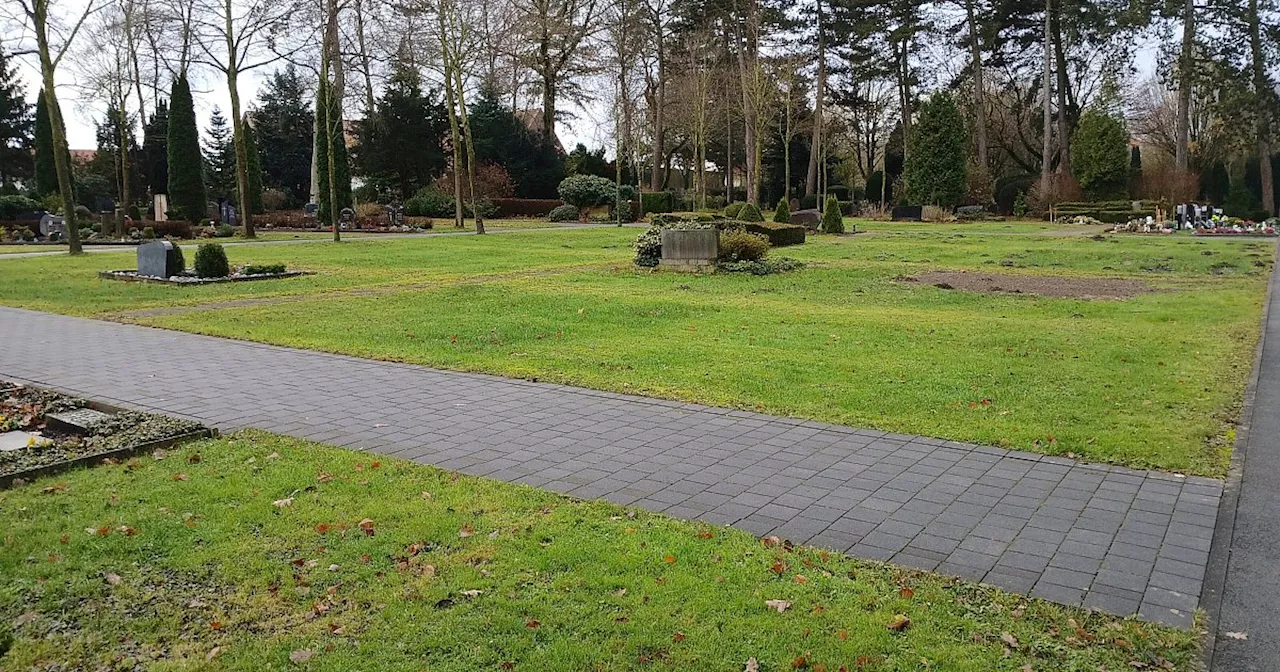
(779, 235)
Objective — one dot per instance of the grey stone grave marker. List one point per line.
(158, 259)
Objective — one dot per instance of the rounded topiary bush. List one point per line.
(149, 232)
(739, 245)
(734, 209)
(586, 192)
(832, 218)
(211, 261)
(750, 213)
(563, 213)
(782, 214)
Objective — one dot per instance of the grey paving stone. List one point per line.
(1123, 539)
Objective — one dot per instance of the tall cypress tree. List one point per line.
(342, 169)
(155, 142)
(46, 173)
(186, 170)
(255, 167)
(15, 126)
(283, 127)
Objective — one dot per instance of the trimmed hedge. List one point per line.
(524, 207)
(211, 261)
(658, 201)
(171, 228)
(779, 235)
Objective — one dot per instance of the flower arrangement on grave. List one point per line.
(1142, 225)
(1221, 225)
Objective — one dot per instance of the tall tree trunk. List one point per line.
(125, 196)
(903, 68)
(728, 147)
(364, 57)
(979, 85)
(1046, 152)
(815, 144)
(1182, 141)
(1263, 93)
(237, 129)
(61, 154)
(1064, 106)
(748, 131)
(659, 104)
(331, 59)
(455, 133)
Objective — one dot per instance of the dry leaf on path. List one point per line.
(1237, 635)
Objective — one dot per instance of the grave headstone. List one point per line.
(690, 249)
(158, 259)
(310, 209)
(79, 420)
(346, 218)
(810, 219)
(50, 224)
(908, 213)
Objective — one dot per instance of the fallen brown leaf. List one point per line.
(899, 623)
(301, 656)
(780, 605)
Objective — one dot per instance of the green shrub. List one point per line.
(936, 165)
(429, 202)
(563, 213)
(762, 266)
(263, 269)
(13, 205)
(179, 258)
(224, 231)
(1100, 155)
(85, 232)
(587, 191)
(149, 233)
(740, 245)
(658, 201)
(211, 261)
(734, 209)
(832, 219)
(750, 213)
(782, 214)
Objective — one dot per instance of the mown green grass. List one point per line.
(178, 564)
(1151, 381)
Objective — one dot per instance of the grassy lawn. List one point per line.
(247, 552)
(1150, 381)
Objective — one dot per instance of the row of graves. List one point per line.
(1200, 220)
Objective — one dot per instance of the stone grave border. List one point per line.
(187, 280)
(9, 480)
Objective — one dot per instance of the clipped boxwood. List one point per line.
(211, 261)
(750, 213)
(782, 214)
(563, 213)
(742, 245)
(832, 218)
(734, 209)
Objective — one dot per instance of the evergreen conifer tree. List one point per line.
(186, 170)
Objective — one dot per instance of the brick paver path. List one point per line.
(1120, 540)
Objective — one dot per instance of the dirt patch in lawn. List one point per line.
(1040, 285)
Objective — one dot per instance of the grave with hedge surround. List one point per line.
(162, 261)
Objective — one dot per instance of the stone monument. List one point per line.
(159, 259)
(690, 249)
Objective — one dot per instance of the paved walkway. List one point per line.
(1245, 573)
(1120, 540)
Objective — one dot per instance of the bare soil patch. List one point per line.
(1040, 285)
